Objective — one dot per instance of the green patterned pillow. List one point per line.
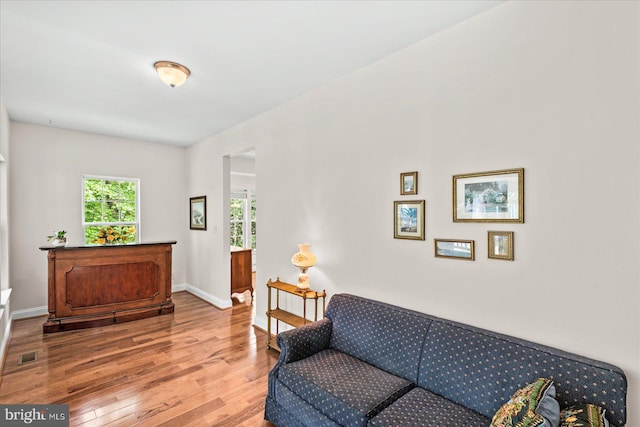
(583, 415)
(532, 406)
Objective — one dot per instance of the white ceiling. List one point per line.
(88, 65)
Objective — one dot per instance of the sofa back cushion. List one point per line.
(480, 369)
(386, 336)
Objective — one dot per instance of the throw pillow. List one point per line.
(583, 415)
(532, 406)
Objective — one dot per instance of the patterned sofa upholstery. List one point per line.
(369, 363)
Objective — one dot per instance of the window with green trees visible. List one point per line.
(242, 207)
(110, 210)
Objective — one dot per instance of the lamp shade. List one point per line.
(303, 258)
(172, 73)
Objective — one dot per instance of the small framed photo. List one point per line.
(496, 196)
(408, 219)
(500, 245)
(408, 183)
(198, 213)
(458, 249)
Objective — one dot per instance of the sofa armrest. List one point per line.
(300, 343)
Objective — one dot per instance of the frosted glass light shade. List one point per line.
(172, 73)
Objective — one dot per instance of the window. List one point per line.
(110, 210)
(242, 207)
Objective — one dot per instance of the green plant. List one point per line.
(59, 235)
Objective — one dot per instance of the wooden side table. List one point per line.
(280, 315)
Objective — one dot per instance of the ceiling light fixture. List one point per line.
(172, 73)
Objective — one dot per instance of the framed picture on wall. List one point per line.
(500, 245)
(496, 196)
(408, 219)
(458, 249)
(198, 213)
(408, 183)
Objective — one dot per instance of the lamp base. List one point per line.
(303, 281)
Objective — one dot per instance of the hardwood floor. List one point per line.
(199, 366)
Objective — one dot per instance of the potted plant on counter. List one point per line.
(58, 238)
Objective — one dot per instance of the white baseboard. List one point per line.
(29, 312)
(220, 303)
(178, 287)
(211, 299)
(260, 323)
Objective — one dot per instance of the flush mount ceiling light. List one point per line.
(172, 73)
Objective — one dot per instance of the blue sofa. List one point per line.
(369, 363)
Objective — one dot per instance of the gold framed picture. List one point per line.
(408, 219)
(500, 245)
(458, 249)
(496, 196)
(408, 183)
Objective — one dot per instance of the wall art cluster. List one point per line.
(481, 197)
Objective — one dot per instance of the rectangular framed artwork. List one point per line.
(496, 196)
(408, 183)
(458, 249)
(408, 219)
(500, 245)
(198, 213)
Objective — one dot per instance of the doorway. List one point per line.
(242, 226)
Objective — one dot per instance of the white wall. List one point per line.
(46, 195)
(5, 312)
(243, 176)
(4, 197)
(548, 86)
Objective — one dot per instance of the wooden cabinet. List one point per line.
(99, 285)
(241, 271)
(276, 314)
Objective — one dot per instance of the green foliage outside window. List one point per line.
(236, 209)
(253, 223)
(237, 222)
(109, 211)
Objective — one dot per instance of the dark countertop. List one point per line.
(56, 248)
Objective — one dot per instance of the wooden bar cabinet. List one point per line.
(100, 285)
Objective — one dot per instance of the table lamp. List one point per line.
(303, 259)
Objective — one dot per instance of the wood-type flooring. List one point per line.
(199, 366)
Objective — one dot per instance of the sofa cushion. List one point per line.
(533, 405)
(421, 408)
(343, 388)
(480, 369)
(381, 334)
(302, 415)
